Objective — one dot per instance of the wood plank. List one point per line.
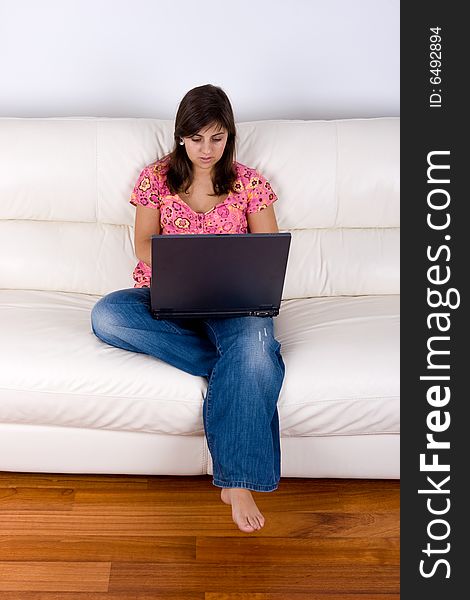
(66, 480)
(109, 596)
(196, 501)
(54, 576)
(296, 596)
(176, 483)
(166, 521)
(200, 500)
(192, 596)
(106, 548)
(313, 551)
(375, 497)
(34, 498)
(138, 577)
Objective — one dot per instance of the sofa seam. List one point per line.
(205, 454)
(340, 400)
(6, 389)
(315, 435)
(343, 400)
(96, 173)
(336, 175)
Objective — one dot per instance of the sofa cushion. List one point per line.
(342, 365)
(341, 356)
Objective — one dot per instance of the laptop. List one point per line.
(218, 275)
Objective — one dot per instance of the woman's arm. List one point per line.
(263, 221)
(147, 223)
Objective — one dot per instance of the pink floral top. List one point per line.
(253, 194)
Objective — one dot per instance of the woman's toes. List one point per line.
(251, 523)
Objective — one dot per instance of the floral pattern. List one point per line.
(253, 193)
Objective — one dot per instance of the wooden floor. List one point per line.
(67, 537)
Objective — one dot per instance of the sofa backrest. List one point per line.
(66, 223)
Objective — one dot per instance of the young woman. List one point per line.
(200, 188)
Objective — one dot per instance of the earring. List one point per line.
(181, 142)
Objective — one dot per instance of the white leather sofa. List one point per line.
(70, 403)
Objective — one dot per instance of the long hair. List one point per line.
(202, 106)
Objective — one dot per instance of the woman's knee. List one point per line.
(111, 310)
(262, 350)
(258, 337)
(259, 358)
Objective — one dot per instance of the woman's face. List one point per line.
(208, 143)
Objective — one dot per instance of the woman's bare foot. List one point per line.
(245, 513)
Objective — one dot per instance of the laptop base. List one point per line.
(174, 314)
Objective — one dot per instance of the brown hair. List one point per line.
(202, 106)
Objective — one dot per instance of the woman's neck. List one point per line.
(202, 180)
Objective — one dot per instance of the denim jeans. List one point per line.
(240, 358)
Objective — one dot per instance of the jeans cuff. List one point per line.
(255, 487)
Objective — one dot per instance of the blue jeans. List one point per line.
(241, 360)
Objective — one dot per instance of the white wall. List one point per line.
(286, 59)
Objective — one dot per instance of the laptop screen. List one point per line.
(218, 273)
